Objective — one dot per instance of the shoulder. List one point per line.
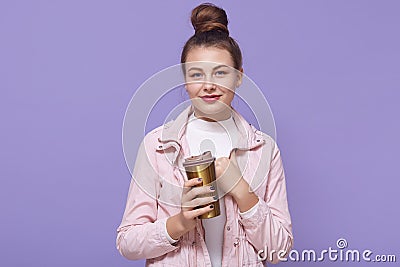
(152, 138)
(268, 140)
(253, 133)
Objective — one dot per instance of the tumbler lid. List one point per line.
(206, 157)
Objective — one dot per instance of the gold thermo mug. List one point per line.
(203, 166)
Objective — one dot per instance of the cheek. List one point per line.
(229, 98)
(229, 93)
(193, 89)
(229, 82)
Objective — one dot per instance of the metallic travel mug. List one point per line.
(203, 166)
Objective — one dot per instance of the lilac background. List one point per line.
(330, 70)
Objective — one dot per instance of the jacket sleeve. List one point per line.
(270, 228)
(141, 235)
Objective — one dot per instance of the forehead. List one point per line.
(210, 54)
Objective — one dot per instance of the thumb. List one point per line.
(232, 156)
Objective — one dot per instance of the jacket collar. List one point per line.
(173, 131)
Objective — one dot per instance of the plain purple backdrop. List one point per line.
(329, 69)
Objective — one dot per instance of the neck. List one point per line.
(220, 116)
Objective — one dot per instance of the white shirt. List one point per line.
(218, 137)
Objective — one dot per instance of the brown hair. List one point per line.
(210, 24)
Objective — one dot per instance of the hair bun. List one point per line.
(208, 17)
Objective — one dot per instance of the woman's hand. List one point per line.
(192, 196)
(228, 175)
(230, 181)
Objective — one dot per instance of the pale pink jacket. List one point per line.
(155, 194)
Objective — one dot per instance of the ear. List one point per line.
(239, 78)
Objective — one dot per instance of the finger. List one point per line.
(232, 156)
(201, 201)
(222, 161)
(197, 212)
(195, 192)
(193, 182)
(190, 183)
(221, 166)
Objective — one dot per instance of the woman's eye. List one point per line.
(220, 73)
(196, 75)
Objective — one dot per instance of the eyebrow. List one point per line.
(216, 67)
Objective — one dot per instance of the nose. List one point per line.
(209, 86)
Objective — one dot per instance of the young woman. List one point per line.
(160, 223)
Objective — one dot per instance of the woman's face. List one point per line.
(211, 81)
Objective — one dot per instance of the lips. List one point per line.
(210, 98)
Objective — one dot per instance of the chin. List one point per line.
(210, 109)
